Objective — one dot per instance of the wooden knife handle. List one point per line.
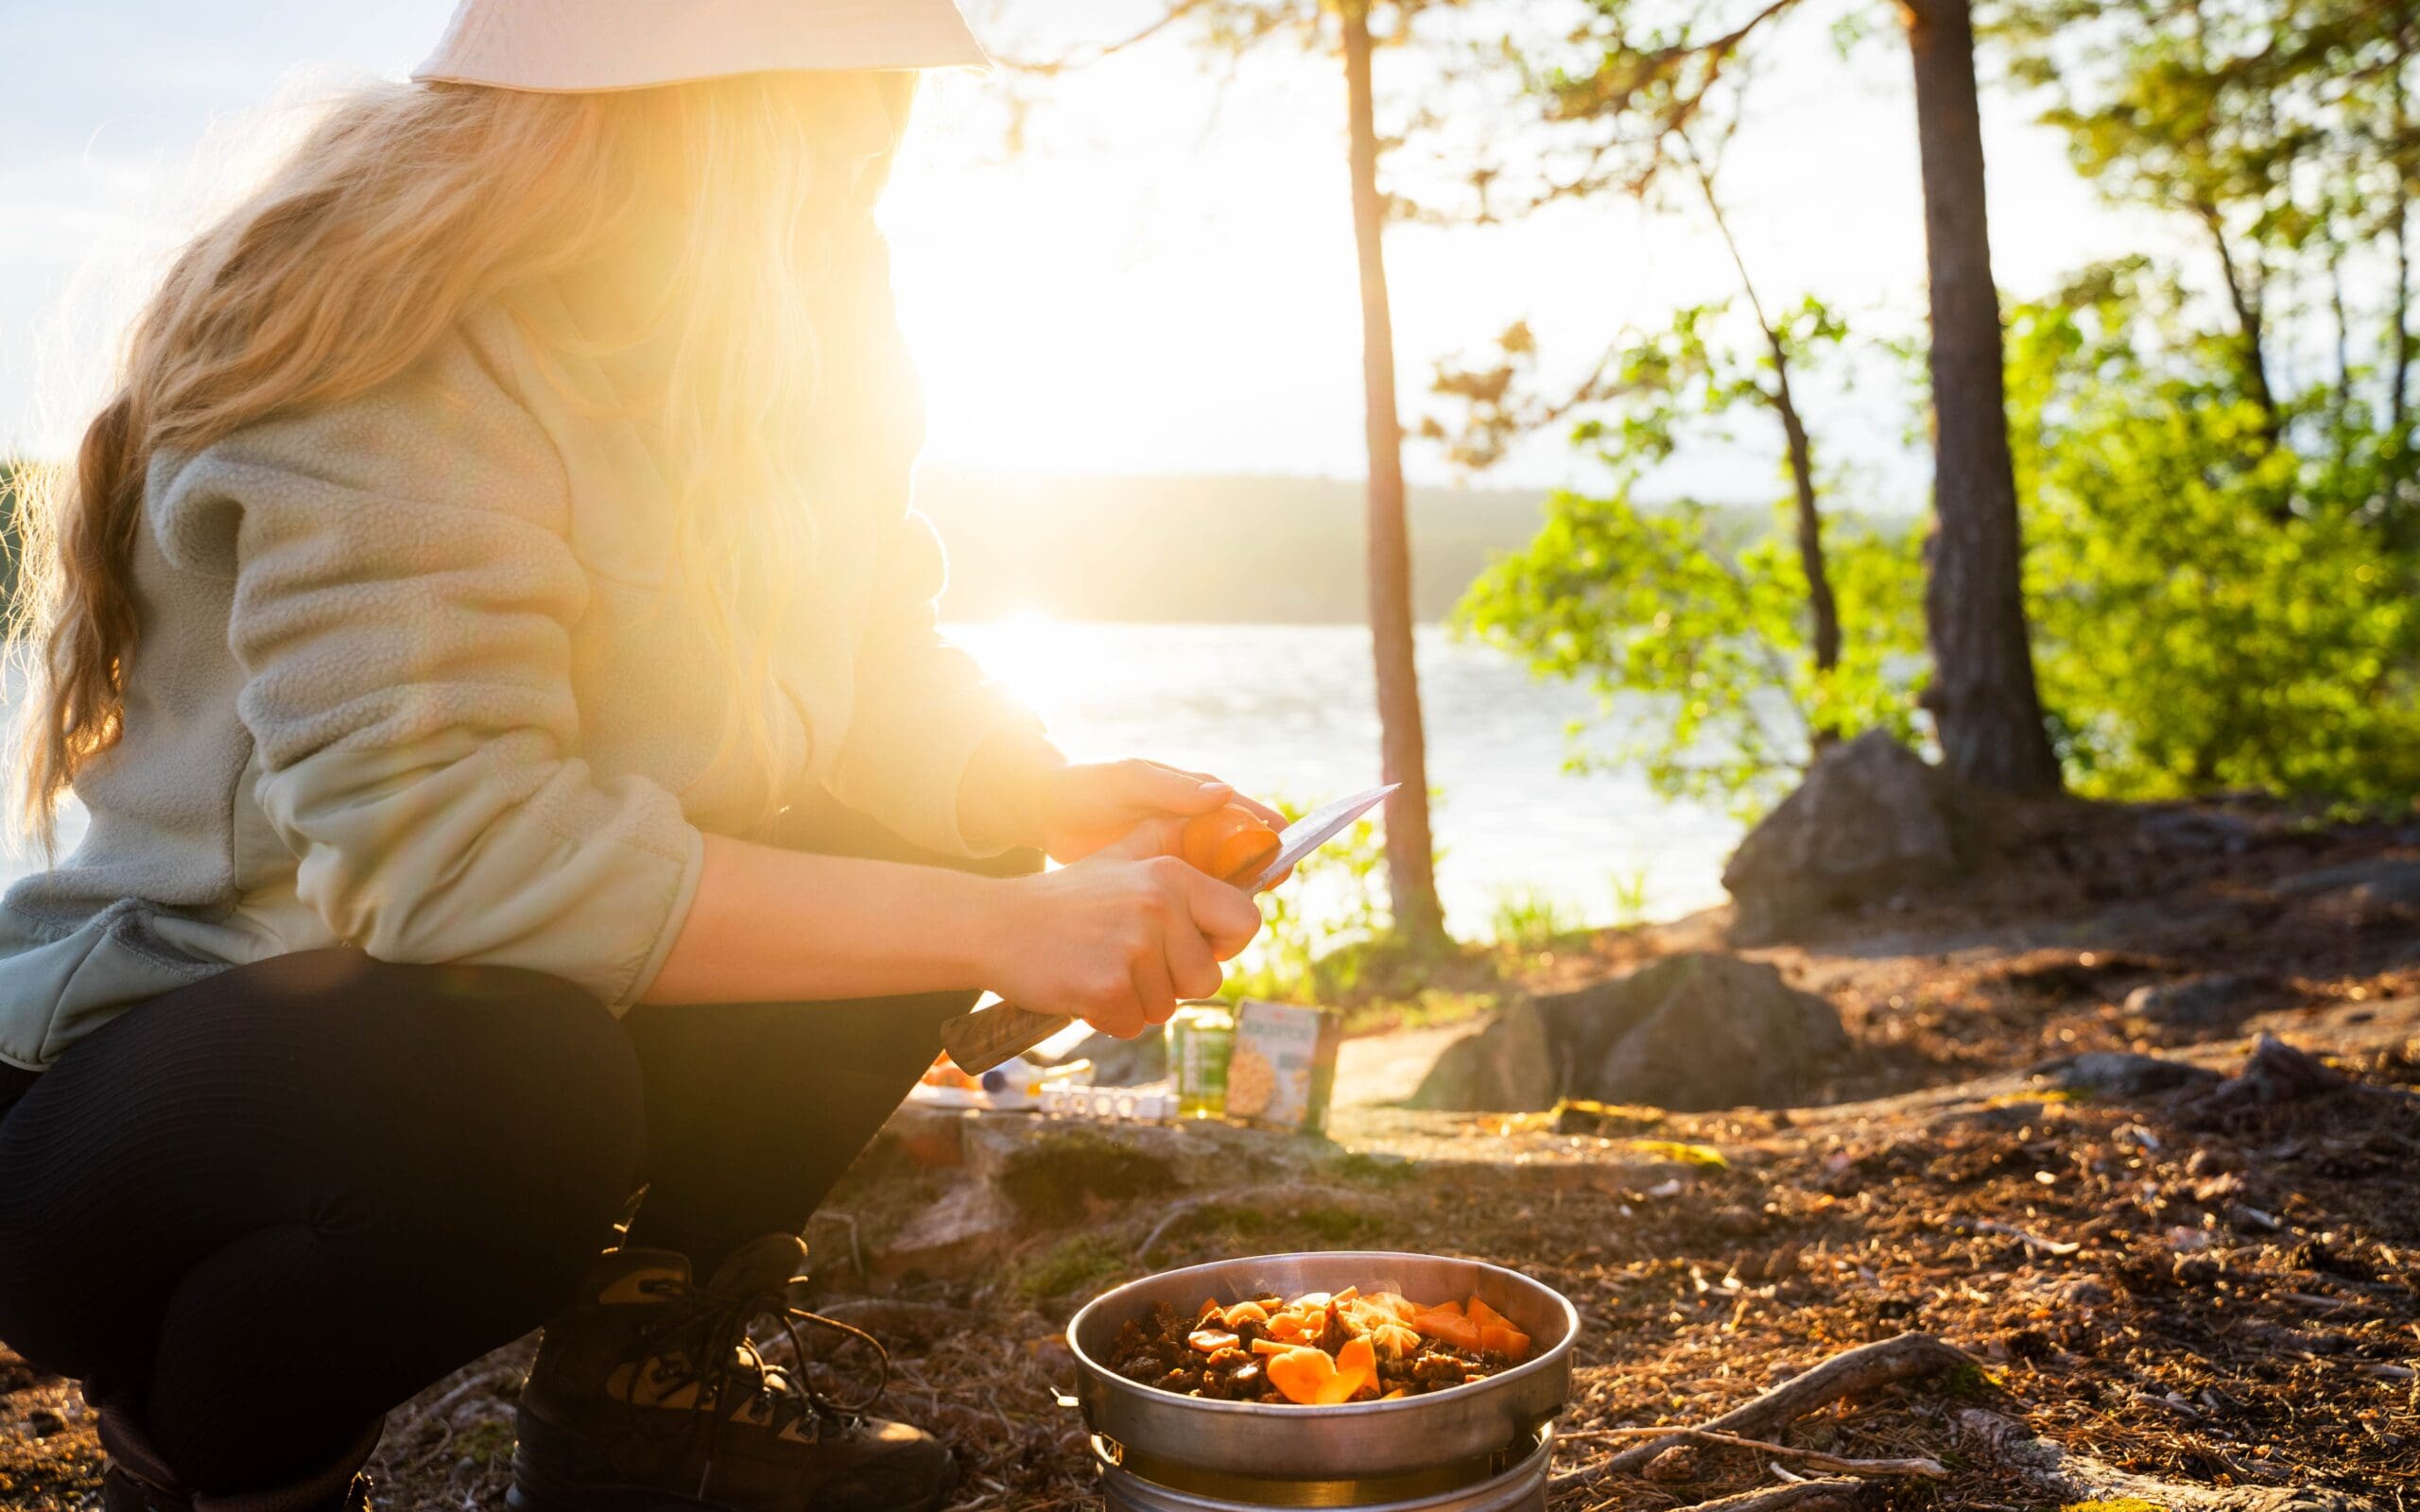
(988, 1037)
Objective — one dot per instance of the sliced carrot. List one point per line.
(1357, 1370)
(1231, 844)
(1271, 1347)
(1210, 1341)
(1209, 1305)
(1306, 1377)
(1452, 1326)
(1345, 1295)
(1504, 1339)
(1310, 1302)
(1243, 1312)
(1482, 1315)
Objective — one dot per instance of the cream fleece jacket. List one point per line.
(413, 675)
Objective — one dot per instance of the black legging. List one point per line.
(259, 1211)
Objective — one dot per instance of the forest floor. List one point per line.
(2192, 1296)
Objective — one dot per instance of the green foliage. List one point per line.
(1659, 601)
(1639, 600)
(1531, 918)
(2211, 613)
(1305, 955)
(1630, 897)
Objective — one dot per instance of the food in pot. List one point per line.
(1318, 1349)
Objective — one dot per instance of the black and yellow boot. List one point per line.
(650, 1395)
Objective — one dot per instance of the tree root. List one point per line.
(1806, 1496)
(2055, 1473)
(1929, 1469)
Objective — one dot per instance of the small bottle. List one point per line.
(1201, 1037)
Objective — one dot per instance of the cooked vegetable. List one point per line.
(1318, 1349)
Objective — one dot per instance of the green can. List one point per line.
(1201, 1040)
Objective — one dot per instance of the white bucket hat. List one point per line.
(581, 45)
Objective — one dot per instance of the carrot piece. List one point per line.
(1456, 1329)
(1209, 1305)
(1304, 1376)
(1231, 844)
(1210, 1341)
(1271, 1347)
(1482, 1315)
(1243, 1312)
(1401, 1307)
(1357, 1370)
(1504, 1339)
(1345, 1295)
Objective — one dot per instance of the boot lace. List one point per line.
(713, 1341)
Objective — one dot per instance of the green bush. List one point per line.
(2211, 611)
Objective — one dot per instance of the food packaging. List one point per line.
(1282, 1068)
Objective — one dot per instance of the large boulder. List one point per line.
(1507, 1067)
(1726, 1033)
(1691, 1032)
(1870, 822)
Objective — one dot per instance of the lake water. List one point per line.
(1290, 710)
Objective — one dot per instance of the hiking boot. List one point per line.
(649, 1396)
(136, 1479)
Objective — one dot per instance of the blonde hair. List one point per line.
(404, 206)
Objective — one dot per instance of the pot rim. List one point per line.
(1536, 1364)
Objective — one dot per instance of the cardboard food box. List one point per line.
(1284, 1065)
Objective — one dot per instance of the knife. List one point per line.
(983, 1039)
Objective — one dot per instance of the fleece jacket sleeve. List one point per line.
(404, 593)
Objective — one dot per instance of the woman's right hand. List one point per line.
(1117, 938)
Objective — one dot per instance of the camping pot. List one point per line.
(1406, 1453)
(1519, 1487)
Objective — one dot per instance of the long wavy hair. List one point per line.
(406, 206)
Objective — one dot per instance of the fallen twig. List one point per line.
(1852, 1373)
(1925, 1469)
(1807, 1496)
(2010, 1230)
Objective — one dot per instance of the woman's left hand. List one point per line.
(1032, 795)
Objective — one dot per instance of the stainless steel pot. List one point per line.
(1521, 1487)
(1379, 1440)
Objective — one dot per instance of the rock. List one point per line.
(1871, 822)
(2189, 830)
(1505, 1067)
(2121, 1073)
(1728, 1033)
(2380, 882)
(965, 1230)
(1691, 1032)
(2274, 1073)
(2213, 1002)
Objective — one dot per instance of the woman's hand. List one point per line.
(1022, 791)
(1116, 940)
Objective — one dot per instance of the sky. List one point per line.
(1162, 282)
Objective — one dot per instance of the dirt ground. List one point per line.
(2207, 1289)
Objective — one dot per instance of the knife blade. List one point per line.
(987, 1037)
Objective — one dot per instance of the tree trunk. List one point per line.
(2245, 294)
(1824, 610)
(1983, 698)
(2399, 322)
(1810, 520)
(1412, 878)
